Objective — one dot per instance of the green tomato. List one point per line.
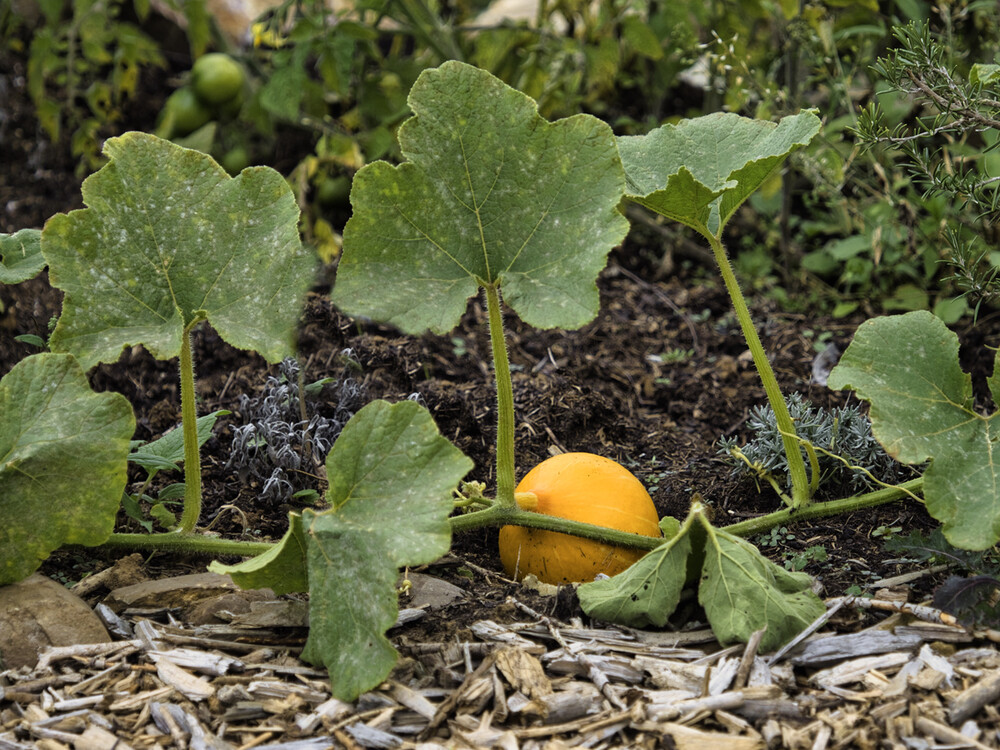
(183, 113)
(235, 160)
(334, 191)
(217, 78)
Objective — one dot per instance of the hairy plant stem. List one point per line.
(505, 402)
(190, 543)
(784, 516)
(801, 494)
(189, 423)
(496, 515)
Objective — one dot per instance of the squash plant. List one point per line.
(699, 172)
(492, 197)
(169, 240)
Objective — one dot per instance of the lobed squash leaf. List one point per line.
(491, 193)
(922, 410)
(740, 590)
(391, 477)
(63, 462)
(700, 171)
(169, 238)
(391, 480)
(282, 568)
(20, 256)
(645, 594)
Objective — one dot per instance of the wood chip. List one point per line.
(523, 671)
(191, 686)
(534, 685)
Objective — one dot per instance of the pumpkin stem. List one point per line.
(526, 500)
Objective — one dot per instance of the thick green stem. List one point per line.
(796, 466)
(189, 543)
(505, 402)
(829, 508)
(497, 515)
(189, 423)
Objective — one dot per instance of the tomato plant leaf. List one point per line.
(20, 256)
(391, 479)
(167, 451)
(645, 594)
(922, 409)
(168, 238)
(281, 569)
(742, 591)
(491, 193)
(700, 171)
(62, 461)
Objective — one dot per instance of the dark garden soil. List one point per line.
(599, 389)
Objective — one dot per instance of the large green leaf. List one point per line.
(391, 479)
(491, 194)
(167, 238)
(922, 410)
(20, 256)
(645, 594)
(281, 569)
(62, 461)
(700, 171)
(742, 591)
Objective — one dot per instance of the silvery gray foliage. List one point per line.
(844, 432)
(274, 446)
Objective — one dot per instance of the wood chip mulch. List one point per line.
(916, 680)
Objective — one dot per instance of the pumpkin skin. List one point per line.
(579, 487)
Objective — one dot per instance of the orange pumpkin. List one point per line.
(580, 487)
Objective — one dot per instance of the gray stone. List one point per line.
(38, 612)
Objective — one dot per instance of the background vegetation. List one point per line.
(890, 209)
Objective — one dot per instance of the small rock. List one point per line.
(125, 572)
(210, 611)
(179, 591)
(432, 592)
(38, 612)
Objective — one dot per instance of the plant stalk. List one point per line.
(190, 543)
(496, 515)
(505, 402)
(189, 423)
(801, 494)
(759, 525)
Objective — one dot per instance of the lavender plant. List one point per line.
(279, 446)
(847, 452)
